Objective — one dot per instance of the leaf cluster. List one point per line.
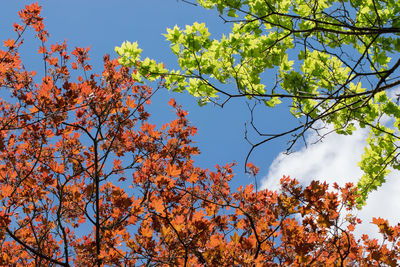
(335, 62)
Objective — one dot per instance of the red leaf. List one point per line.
(10, 43)
(173, 171)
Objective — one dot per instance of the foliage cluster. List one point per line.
(336, 61)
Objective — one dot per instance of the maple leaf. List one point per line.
(131, 102)
(6, 190)
(117, 164)
(179, 222)
(147, 232)
(52, 60)
(10, 43)
(158, 205)
(173, 170)
(172, 102)
(193, 178)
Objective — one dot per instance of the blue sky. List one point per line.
(106, 24)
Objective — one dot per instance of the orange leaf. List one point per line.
(131, 102)
(10, 43)
(117, 164)
(193, 178)
(173, 171)
(147, 232)
(158, 205)
(214, 241)
(52, 61)
(59, 168)
(172, 102)
(6, 190)
(235, 238)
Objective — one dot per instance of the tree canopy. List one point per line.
(334, 62)
(86, 180)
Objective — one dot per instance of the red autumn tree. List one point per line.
(86, 180)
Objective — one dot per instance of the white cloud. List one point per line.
(335, 160)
